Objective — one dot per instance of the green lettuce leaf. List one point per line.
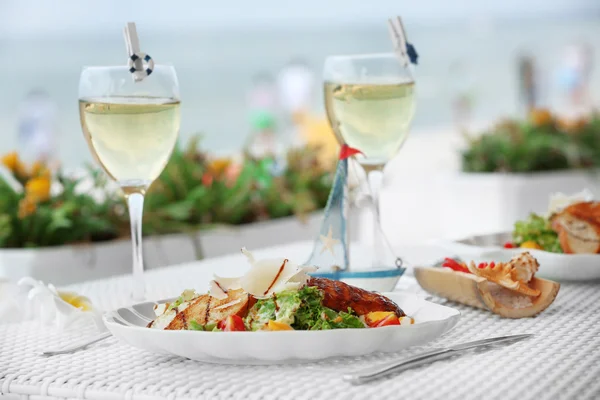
(194, 326)
(302, 309)
(537, 228)
(260, 314)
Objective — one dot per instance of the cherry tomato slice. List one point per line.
(485, 265)
(231, 324)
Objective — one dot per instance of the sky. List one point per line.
(33, 17)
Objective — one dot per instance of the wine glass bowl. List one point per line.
(131, 128)
(369, 101)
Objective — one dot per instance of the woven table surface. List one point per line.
(562, 360)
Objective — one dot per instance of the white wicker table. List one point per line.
(561, 362)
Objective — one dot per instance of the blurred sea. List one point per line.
(216, 67)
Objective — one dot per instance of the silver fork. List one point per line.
(82, 344)
(77, 346)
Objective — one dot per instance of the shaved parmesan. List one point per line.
(228, 283)
(231, 303)
(268, 276)
(248, 254)
(301, 276)
(163, 320)
(217, 291)
(160, 309)
(264, 278)
(219, 286)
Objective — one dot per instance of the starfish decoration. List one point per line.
(412, 53)
(329, 241)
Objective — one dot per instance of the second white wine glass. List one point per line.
(131, 129)
(369, 99)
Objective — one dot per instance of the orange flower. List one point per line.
(218, 166)
(572, 125)
(38, 189)
(40, 169)
(14, 163)
(540, 117)
(26, 207)
(11, 160)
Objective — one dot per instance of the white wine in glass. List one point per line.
(374, 118)
(131, 137)
(369, 99)
(131, 128)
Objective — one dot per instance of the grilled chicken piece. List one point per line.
(339, 296)
(206, 309)
(578, 227)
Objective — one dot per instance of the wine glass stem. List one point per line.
(135, 202)
(375, 179)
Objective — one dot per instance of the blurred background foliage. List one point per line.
(544, 142)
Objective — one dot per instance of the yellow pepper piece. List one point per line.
(530, 244)
(279, 326)
(375, 317)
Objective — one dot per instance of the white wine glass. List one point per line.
(131, 129)
(369, 99)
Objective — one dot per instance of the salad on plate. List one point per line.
(277, 295)
(571, 226)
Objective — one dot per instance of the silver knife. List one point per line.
(379, 371)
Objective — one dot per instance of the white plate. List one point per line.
(431, 321)
(555, 266)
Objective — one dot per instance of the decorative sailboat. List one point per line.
(331, 250)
